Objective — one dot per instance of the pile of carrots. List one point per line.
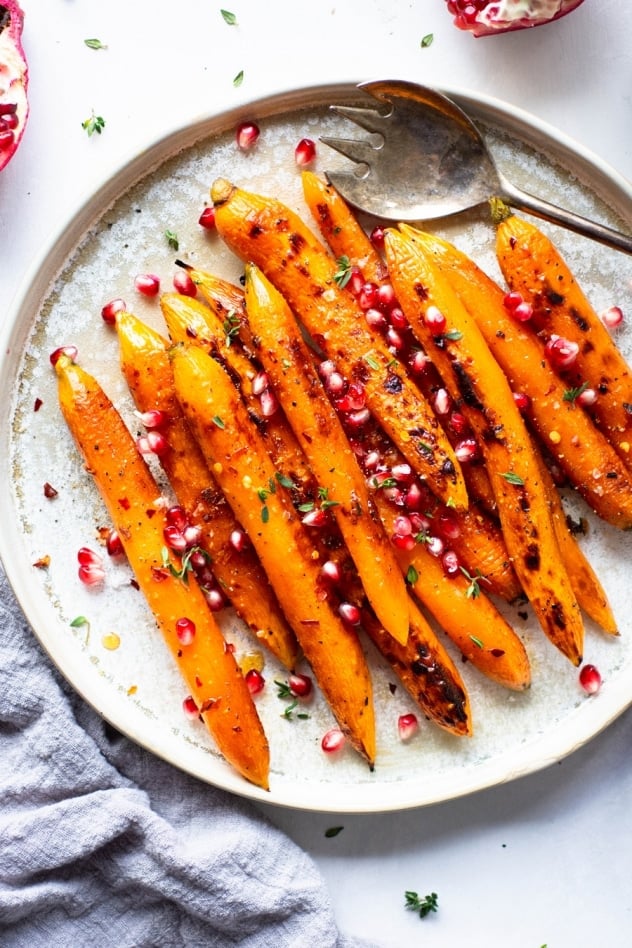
(292, 420)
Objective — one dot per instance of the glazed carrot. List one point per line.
(146, 365)
(288, 362)
(427, 672)
(463, 610)
(534, 268)
(133, 501)
(271, 235)
(257, 493)
(580, 449)
(477, 383)
(348, 240)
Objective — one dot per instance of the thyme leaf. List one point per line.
(572, 393)
(94, 123)
(512, 478)
(343, 273)
(229, 17)
(95, 44)
(424, 906)
(427, 40)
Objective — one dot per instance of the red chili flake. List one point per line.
(159, 574)
(37, 404)
(497, 652)
(49, 490)
(124, 502)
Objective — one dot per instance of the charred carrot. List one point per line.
(146, 365)
(288, 362)
(258, 495)
(534, 268)
(271, 235)
(477, 383)
(133, 501)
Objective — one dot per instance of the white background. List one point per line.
(546, 860)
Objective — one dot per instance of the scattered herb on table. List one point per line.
(229, 17)
(424, 906)
(172, 239)
(333, 831)
(427, 40)
(95, 44)
(239, 78)
(95, 123)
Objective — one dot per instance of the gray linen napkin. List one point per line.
(103, 844)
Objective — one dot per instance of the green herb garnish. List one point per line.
(95, 44)
(229, 17)
(95, 123)
(343, 273)
(424, 906)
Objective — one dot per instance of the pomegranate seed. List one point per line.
(333, 741)
(449, 525)
(466, 450)
(587, 398)
(9, 122)
(174, 539)
(70, 351)
(198, 561)
(402, 472)
(590, 679)
(109, 311)
(407, 725)
(190, 708)
(354, 399)
(451, 565)
(300, 685)
(113, 544)
(315, 518)
(176, 517)
(394, 340)
(305, 152)
(185, 630)
(239, 540)
(522, 401)
(260, 383)
(183, 283)
(207, 218)
(148, 284)
(420, 523)
(435, 320)
(375, 319)
(326, 368)
(215, 599)
(523, 312)
(330, 572)
(413, 496)
(349, 613)
(458, 422)
(192, 534)
(397, 318)
(153, 418)
(561, 352)
(442, 402)
(8, 108)
(357, 419)
(372, 460)
(156, 442)
(335, 384)
(255, 681)
(435, 546)
(356, 281)
(91, 571)
(612, 317)
(386, 298)
(403, 541)
(269, 404)
(368, 296)
(402, 526)
(246, 135)
(377, 237)
(419, 362)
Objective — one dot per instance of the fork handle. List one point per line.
(522, 201)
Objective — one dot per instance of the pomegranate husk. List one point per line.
(14, 108)
(485, 22)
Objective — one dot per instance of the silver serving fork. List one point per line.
(425, 159)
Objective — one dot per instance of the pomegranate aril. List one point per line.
(590, 679)
(176, 517)
(315, 518)
(451, 565)
(349, 613)
(394, 340)
(190, 708)
(522, 401)
(174, 539)
(560, 352)
(255, 681)
(8, 108)
(153, 418)
(192, 534)
(185, 630)
(305, 152)
(207, 218)
(269, 404)
(407, 726)
(368, 296)
(91, 571)
(442, 402)
(587, 398)
(113, 544)
(435, 546)
(154, 443)
(147, 283)
(109, 311)
(88, 557)
(403, 541)
(300, 685)
(419, 362)
(239, 540)
(71, 352)
(435, 320)
(330, 572)
(215, 599)
(183, 283)
(246, 135)
(375, 318)
(377, 237)
(466, 450)
(612, 317)
(386, 298)
(333, 741)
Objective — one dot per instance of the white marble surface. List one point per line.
(545, 860)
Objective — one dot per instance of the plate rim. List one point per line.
(612, 187)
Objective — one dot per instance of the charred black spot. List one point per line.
(587, 346)
(466, 386)
(297, 242)
(393, 383)
(579, 320)
(532, 557)
(558, 615)
(447, 467)
(603, 390)
(612, 475)
(555, 299)
(255, 230)
(421, 291)
(627, 406)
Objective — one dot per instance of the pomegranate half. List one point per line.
(486, 17)
(14, 107)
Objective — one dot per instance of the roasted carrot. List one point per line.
(534, 268)
(477, 383)
(288, 362)
(569, 436)
(146, 365)
(348, 240)
(464, 611)
(427, 672)
(275, 238)
(258, 495)
(132, 497)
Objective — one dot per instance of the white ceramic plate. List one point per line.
(118, 233)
